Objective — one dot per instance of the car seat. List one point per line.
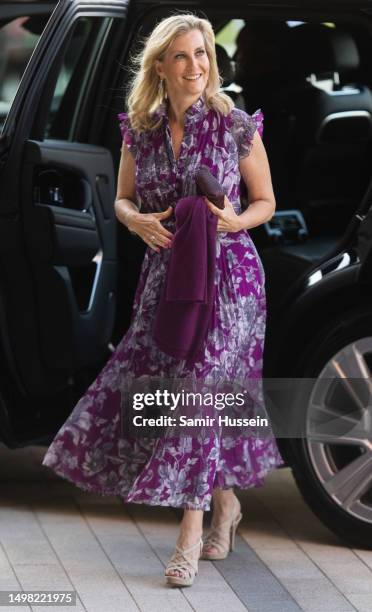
(330, 129)
(329, 136)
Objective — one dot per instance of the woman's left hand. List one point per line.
(228, 220)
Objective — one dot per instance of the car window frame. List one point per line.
(87, 73)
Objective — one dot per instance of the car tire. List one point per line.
(346, 332)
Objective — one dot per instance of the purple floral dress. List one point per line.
(91, 449)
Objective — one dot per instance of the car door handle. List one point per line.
(72, 218)
(76, 239)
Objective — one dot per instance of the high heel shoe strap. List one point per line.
(219, 536)
(180, 561)
(186, 551)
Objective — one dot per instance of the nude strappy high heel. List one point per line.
(187, 566)
(222, 538)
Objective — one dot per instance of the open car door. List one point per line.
(58, 267)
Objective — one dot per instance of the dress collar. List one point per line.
(193, 113)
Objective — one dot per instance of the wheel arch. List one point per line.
(308, 317)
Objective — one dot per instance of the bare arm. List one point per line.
(125, 201)
(255, 171)
(145, 225)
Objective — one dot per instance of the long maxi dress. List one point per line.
(91, 449)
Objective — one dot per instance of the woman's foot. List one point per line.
(187, 539)
(226, 518)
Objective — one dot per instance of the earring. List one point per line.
(161, 88)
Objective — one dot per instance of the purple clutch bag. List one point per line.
(207, 185)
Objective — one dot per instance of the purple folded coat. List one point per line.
(186, 301)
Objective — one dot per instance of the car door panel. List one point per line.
(80, 245)
(59, 284)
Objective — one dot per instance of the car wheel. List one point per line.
(332, 461)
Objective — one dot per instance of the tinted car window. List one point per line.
(73, 76)
(18, 39)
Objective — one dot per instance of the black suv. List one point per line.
(68, 269)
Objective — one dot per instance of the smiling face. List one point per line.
(185, 66)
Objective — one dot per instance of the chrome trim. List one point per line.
(98, 261)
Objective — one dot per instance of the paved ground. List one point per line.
(53, 536)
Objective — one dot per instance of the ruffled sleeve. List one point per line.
(128, 134)
(244, 128)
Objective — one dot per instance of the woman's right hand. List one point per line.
(148, 226)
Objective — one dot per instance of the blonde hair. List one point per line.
(144, 91)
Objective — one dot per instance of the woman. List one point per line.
(177, 121)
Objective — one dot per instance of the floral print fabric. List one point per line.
(92, 449)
